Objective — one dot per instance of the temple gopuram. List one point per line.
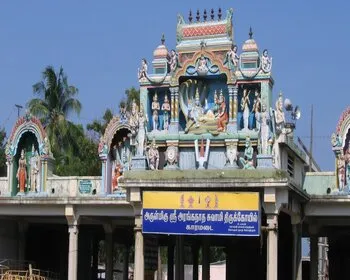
(205, 158)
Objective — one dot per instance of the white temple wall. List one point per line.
(3, 186)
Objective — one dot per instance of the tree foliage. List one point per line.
(99, 126)
(131, 94)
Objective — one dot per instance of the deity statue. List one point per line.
(173, 61)
(102, 147)
(216, 106)
(245, 102)
(257, 109)
(232, 58)
(196, 111)
(266, 62)
(202, 68)
(141, 134)
(45, 147)
(231, 154)
(125, 153)
(247, 161)
(264, 129)
(279, 114)
(142, 72)
(22, 172)
(336, 140)
(222, 114)
(34, 170)
(166, 110)
(153, 156)
(341, 172)
(116, 174)
(134, 121)
(155, 110)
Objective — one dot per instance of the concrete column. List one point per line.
(126, 263)
(172, 105)
(230, 102)
(171, 261)
(179, 263)
(195, 254)
(205, 258)
(176, 104)
(272, 247)
(73, 252)
(109, 254)
(139, 269)
(314, 257)
(297, 254)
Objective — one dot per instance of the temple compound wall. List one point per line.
(205, 158)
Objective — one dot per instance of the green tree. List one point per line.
(2, 153)
(99, 126)
(131, 94)
(56, 101)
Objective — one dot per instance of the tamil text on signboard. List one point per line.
(201, 213)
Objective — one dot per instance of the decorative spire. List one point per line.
(190, 17)
(198, 16)
(219, 14)
(250, 33)
(163, 39)
(205, 15)
(212, 14)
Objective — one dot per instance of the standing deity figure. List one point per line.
(197, 110)
(155, 110)
(216, 105)
(134, 121)
(245, 102)
(166, 110)
(247, 161)
(279, 114)
(257, 110)
(141, 134)
(153, 156)
(266, 62)
(341, 172)
(264, 129)
(116, 174)
(173, 61)
(222, 114)
(142, 72)
(34, 170)
(232, 58)
(22, 172)
(122, 112)
(125, 153)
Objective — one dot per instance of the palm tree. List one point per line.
(56, 101)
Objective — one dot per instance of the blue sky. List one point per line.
(100, 45)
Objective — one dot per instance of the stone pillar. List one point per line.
(73, 251)
(174, 116)
(272, 247)
(195, 254)
(126, 263)
(313, 257)
(104, 177)
(109, 251)
(9, 175)
(139, 269)
(179, 263)
(233, 108)
(206, 258)
(297, 252)
(171, 261)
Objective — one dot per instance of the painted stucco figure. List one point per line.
(232, 58)
(22, 172)
(173, 61)
(257, 110)
(264, 129)
(222, 113)
(155, 112)
(266, 62)
(34, 171)
(166, 112)
(141, 134)
(279, 114)
(142, 72)
(247, 160)
(153, 156)
(245, 102)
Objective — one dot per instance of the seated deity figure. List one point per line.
(232, 58)
(142, 72)
(202, 66)
(245, 103)
(257, 110)
(266, 62)
(279, 114)
(197, 111)
(222, 114)
(247, 161)
(153, 156)
(22, 172)
(155, 110)
(166, 110)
